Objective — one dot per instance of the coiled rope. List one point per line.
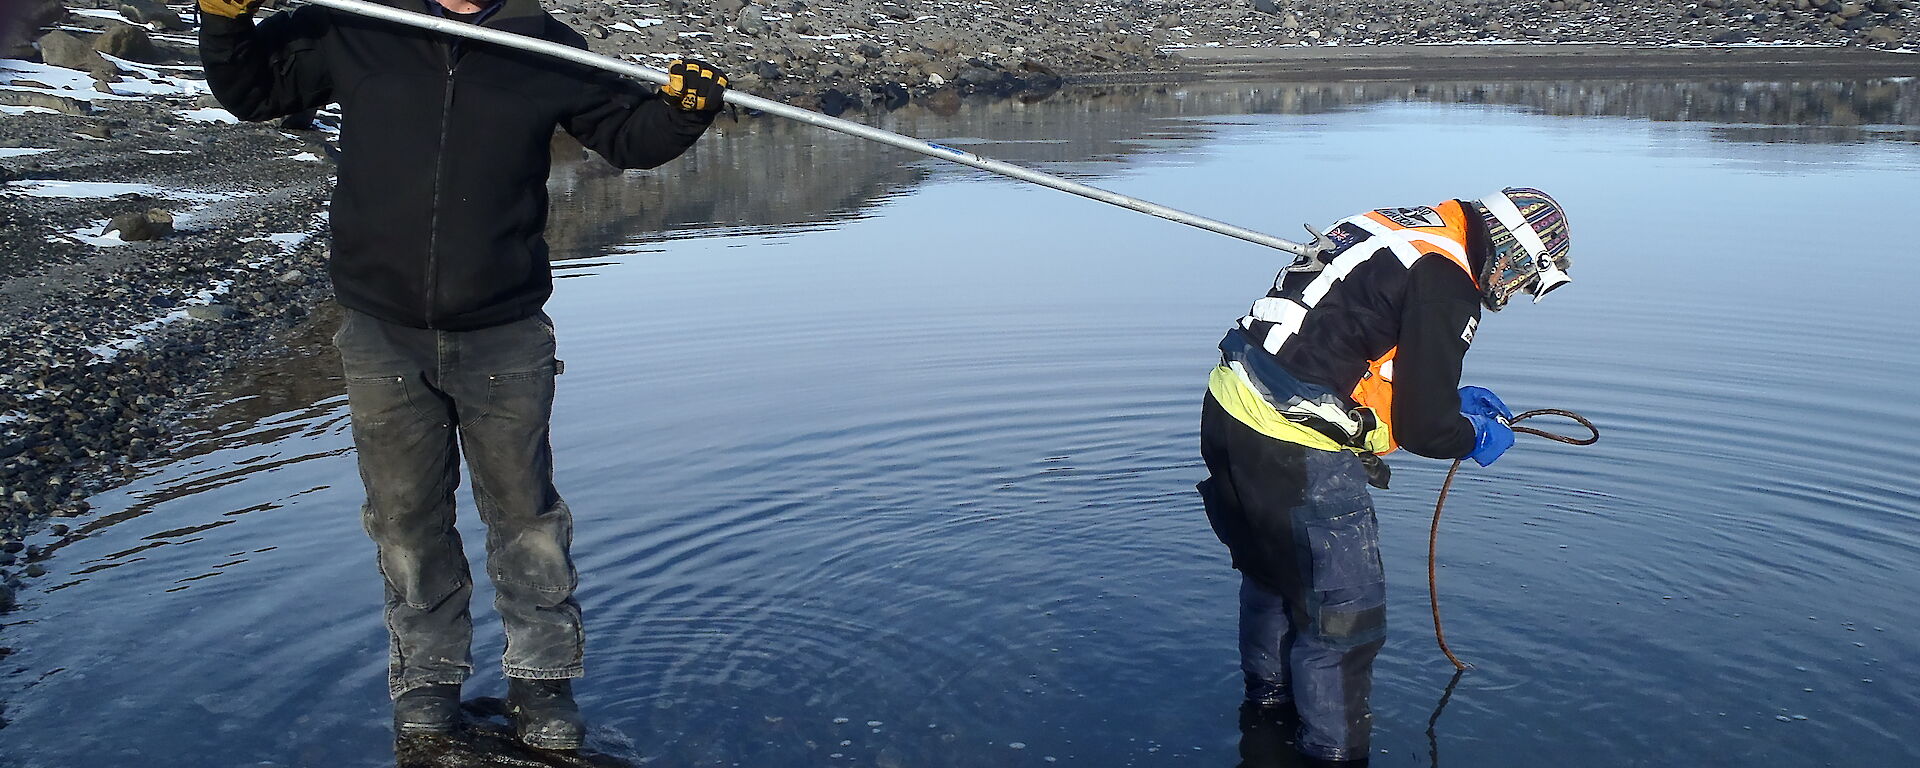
(1433, 534)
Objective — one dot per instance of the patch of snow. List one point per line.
(58, 81)
(167, 151)
(644, 23)
(22, 151)
(95, 13)
(104, 189)
(135, 336)
(9, 109)
(208, 115)
(308, 157)
(624, 27)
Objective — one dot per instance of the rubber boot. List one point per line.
(427, 709)
(544, 715)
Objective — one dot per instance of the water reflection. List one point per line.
(770, 175)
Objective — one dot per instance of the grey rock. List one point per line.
(36, 570)
(896, 12)
(292, 277)
(63, 104)
(6, 598)
(127, 42)
(1730, 36)
(752, 21)
(728, 9)
(1884, 35)
(212, 312)
(1266, 6)
(34, 14)
(152, 224)
(61, 49)
(152, 12)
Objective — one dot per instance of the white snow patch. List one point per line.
(22, 151)
(167, 151)
(9, 109)
(95, 13)
(104, 189)
(208, 115)
(135, 336)
(625, 27)
(288, 241)
(55, 81)
(308, 157)
(644, 23)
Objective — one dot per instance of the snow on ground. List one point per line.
(104, 189)
(21, 151)
(208, 115)
(137, 335)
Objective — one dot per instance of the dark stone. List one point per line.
(34, 14)
(1266, 6)
(152, 224)
(752, 21)
(6, 598)
(1730, 36)
(212, 312)
(892, 96)
(12, 547)
(128, 42)
(36, 570)
(896, 12)
(833, 102)
(870, 51)
(767, 70)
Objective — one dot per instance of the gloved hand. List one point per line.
(232, 9)
(1479, 401)
(693, 85)
(1490, 439)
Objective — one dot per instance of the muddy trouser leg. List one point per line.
(403, 434)
(1301, 527)
(507, 387)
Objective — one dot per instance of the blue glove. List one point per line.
(1490, 438)
(1479, 401)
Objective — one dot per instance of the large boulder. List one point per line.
(34, 14)
(752, 20)
(61, 49)
(127, 42)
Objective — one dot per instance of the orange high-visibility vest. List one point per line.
(1411, 233)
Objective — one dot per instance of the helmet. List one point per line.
(1528, 231)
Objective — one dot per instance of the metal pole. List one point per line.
(870, 133)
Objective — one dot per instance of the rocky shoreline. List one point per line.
(152, 244)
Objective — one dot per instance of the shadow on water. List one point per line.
(486, 740)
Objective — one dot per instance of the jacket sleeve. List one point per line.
(1440, 314)
(269, 70)
(628, 123)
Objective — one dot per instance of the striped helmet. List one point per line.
(1530, 245)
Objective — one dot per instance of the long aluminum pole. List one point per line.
(870, 133)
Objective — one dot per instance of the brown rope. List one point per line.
(1433, 534)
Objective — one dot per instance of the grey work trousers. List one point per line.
(419, 399)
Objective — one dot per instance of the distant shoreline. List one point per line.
(1518, 61)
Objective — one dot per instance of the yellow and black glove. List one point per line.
(232, 9)
(692, 85)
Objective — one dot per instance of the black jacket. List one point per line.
(440, 209)
(1428, 310)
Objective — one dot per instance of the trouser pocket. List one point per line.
(1347, 602)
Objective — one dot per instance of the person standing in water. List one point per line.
(440, 261)
(1354, 352)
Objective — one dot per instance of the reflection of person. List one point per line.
(439, 259)
(1355, 351)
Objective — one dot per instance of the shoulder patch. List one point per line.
(1422, 216)
(1466, 335)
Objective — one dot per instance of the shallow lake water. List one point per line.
(876, 461)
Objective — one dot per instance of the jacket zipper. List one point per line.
(439, 171)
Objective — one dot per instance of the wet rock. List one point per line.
(6, 598)
(834, 102)
(12, 547)
(36, 570)
(212, 312)
(151, 224)
(128, 42)
(1729, 36)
